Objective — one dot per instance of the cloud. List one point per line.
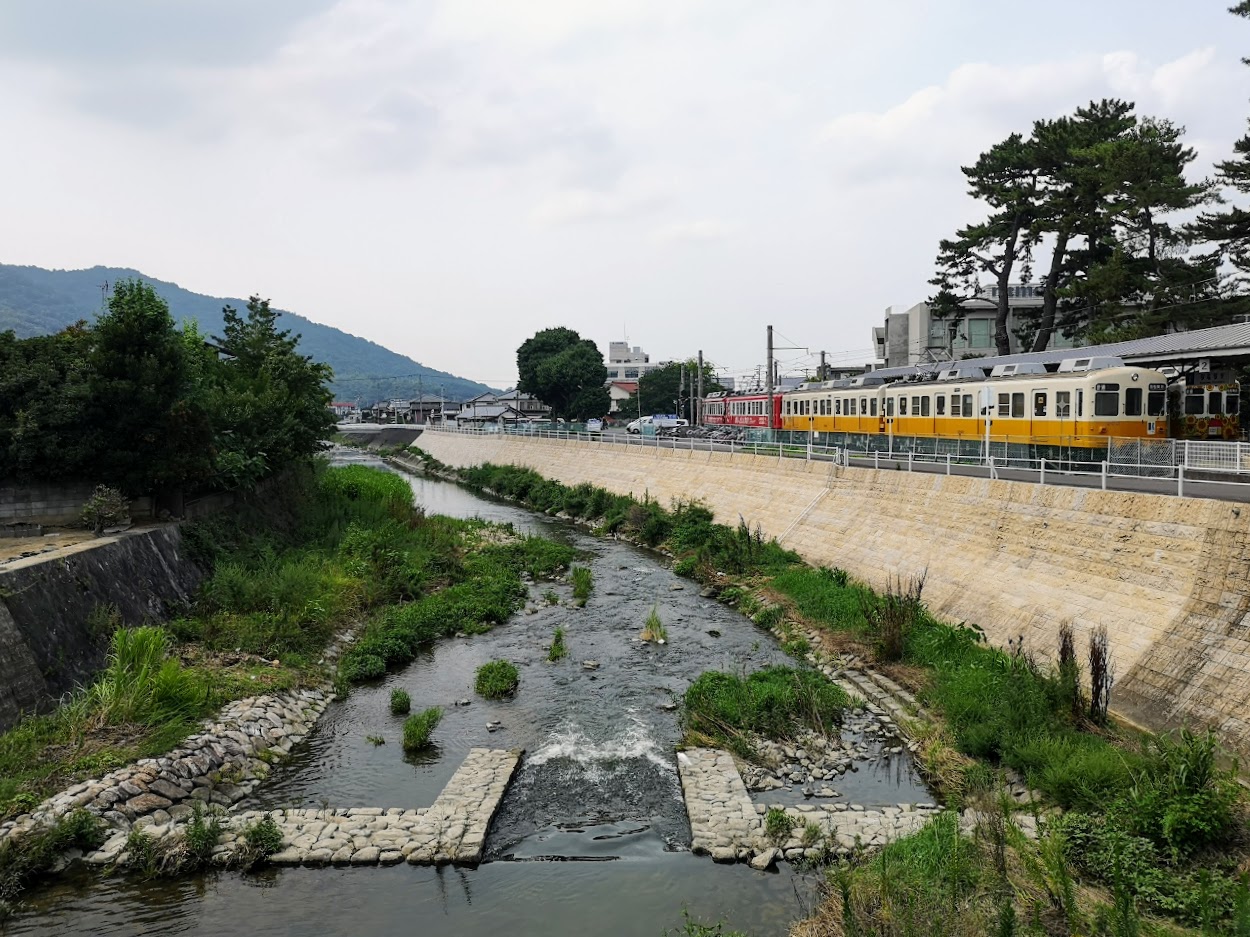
(581, 205)
(704, 230)
(944, 126)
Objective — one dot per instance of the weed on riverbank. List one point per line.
(24, 860)
(583, 583)
(557, 651)
(777, 702)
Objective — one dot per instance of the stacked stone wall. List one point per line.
(1168, 577)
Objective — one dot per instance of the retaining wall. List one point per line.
(47, 643)
(1168, 577)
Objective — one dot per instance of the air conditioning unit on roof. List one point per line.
(1069, 365)
(1020, 367)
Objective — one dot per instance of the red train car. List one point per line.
(746, 410)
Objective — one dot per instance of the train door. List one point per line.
(1039, 415)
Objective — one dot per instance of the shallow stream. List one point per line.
(592, 836)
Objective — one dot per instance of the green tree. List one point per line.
(1006, 179)
(156, 436)
(44, 390)
(658, 389)
(1151, 280)
(271, 403)
(564, 371)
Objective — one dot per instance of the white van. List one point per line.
(658, 421)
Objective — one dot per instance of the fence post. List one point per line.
(993, 471)
(876, 458)
(909, 458)
(1180, 481)
(1104, 474)
(1043, 475)
(948, 463)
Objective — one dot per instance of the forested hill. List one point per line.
(34, 301)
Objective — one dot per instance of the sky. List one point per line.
(447, 178)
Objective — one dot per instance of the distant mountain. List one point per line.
(34, 301)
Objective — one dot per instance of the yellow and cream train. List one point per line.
(1082, 404)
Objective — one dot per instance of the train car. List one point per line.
(752, 410)
(1208, 411)
(1082, 405)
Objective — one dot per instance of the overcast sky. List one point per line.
(446, 178)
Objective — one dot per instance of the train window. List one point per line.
(874, 406)
(1004, 404)
(941, 405)
(1195, 402)
(1017, 406)
(863, 406)
(1215, 403)
(889, 406)
(968, 405)
(851, 403)
(902, 406)
(837, 408)
(915, 406)
(1232, 404)
(1039, 403)
(1156, 402)
(1080, 403)
(1132, 401)
(1063, 404)
(1107, 402)
(924, 406)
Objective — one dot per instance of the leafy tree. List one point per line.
(1229, 230)
(43, 393)
(1150, 280)
(564, 371)
(156, 436)
(1006, 178)
(658, 389)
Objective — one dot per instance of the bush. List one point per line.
(557, 650)
(496, 679)
(776, 702)
(259, 841)
(418, 728)
(778, 825)
(583, 583)
(106, 507)
(401, 702)
(202, 835)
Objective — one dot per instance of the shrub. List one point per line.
(776, 702)
(106, 507)
(25, 857)
(258, 842)
(401, 702)
(496, 679)
(583, 583)
(686, 567)
(778, 825)
(653, 628)
(418, 728)
(557, 650)
(202, 835)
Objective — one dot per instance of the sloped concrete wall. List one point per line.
(1169, 577)
(47, 646)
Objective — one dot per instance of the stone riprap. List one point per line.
(723, 821)
(452, 829)
(219, 765)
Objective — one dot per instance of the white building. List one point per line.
(629, 364)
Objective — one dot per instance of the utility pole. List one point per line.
(698, 407)
(768, 389)
(821, 375)
(681, 388)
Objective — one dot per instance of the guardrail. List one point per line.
(1198, 460)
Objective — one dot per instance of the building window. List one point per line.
(979, 333)
(631, 373)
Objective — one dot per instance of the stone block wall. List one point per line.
(52, 505)
(1168, 577)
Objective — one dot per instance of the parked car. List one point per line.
(658, 421)
(594, 426)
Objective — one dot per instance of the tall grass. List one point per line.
(496, 679)
(142, 684)
(583, 583)
(776, 702)
(419, 727)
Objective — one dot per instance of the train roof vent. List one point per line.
(1068, 365)
(1020, 367)
(867, 380)
(962, 374)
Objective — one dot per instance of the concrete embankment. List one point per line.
(47, 603)
(1168, 577)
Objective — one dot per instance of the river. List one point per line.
(591, 837)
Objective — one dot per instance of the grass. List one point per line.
(778, 825)
(419, 726)
(496, 679)
(653, 629)
(401, 702)
(25, 860)
(776, 702)
(583, 583)
(551, 598)
(557, 650)
(375, 740)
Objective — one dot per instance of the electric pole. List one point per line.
(698, 407)
(822, 376)
(681, 388)
(769, 370)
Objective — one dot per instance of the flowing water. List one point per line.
(592, 835)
